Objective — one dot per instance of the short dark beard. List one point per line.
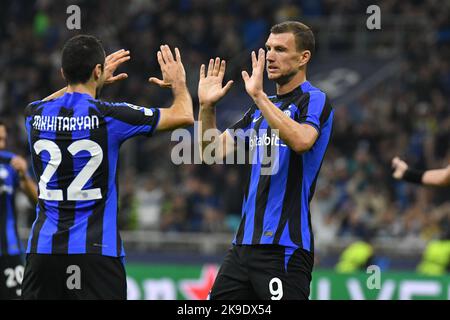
(285, 79)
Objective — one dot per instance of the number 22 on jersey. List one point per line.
(74, 191)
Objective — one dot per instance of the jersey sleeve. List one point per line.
(126, 120)
(314, 110)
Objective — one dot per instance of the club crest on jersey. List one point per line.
(147, 111)
(287, 112)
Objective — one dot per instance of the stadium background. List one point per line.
(390, 89)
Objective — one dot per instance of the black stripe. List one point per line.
(262, 192)
(3, 244)
(38, 169)
(240, 233)
(94, 237)
(325, 111)
(66, 208)
(118, 239)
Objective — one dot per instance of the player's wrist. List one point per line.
(259, 95)
(22, 176)
(413, 175)
(179, 86)
(206, 105)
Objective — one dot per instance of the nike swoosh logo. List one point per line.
(254, 120)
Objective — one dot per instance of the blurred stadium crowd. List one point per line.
(409, 115)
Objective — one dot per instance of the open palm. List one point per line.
(254, 83)
(210, 89)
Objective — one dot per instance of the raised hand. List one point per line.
(254, 84)
(210, 89)
(172, 70)
(399, 167)
(112, 62)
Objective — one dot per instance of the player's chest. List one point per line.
(260, 123)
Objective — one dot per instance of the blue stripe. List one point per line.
(288, 251)
(11, 236)
(311, 165)
(125, 130)
(285, 239)
(315, 107)
(110, 215)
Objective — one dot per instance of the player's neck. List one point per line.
(293, 83)
(87, 88)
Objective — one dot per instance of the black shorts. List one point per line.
(267, 272)
(11, 274)
(74, 277)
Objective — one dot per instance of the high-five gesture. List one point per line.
(112, 62)
(172, 69)
(254, 84)
(210, 89)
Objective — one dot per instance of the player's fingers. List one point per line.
(119, 77)
(254, 62)
(222, 69)
(210, 67)
(111, 55)
(159, 82)
(227, 87)
(216, 67)
(120, 61)
(177, 55)
(395, 161)
(160, 58)
(114, 56)
(261, 58)
(245, 76)
(202, 71)
(167, 53)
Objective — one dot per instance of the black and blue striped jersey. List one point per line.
(74, 142)
(9, 182)
(276, 206)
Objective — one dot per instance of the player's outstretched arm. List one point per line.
(26, 183)
(299, 137)
(435, 177)
(180, 113)
(112, 62)
(210, 91)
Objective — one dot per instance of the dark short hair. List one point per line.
(80, 55)
(304, 37)
(2, 123)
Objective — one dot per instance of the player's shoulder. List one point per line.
(314, 91)
(313, 95)
(110, 107)
(33, 106)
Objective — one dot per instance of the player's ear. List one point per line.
(62, 74)
(98, 70)
(304, 57)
